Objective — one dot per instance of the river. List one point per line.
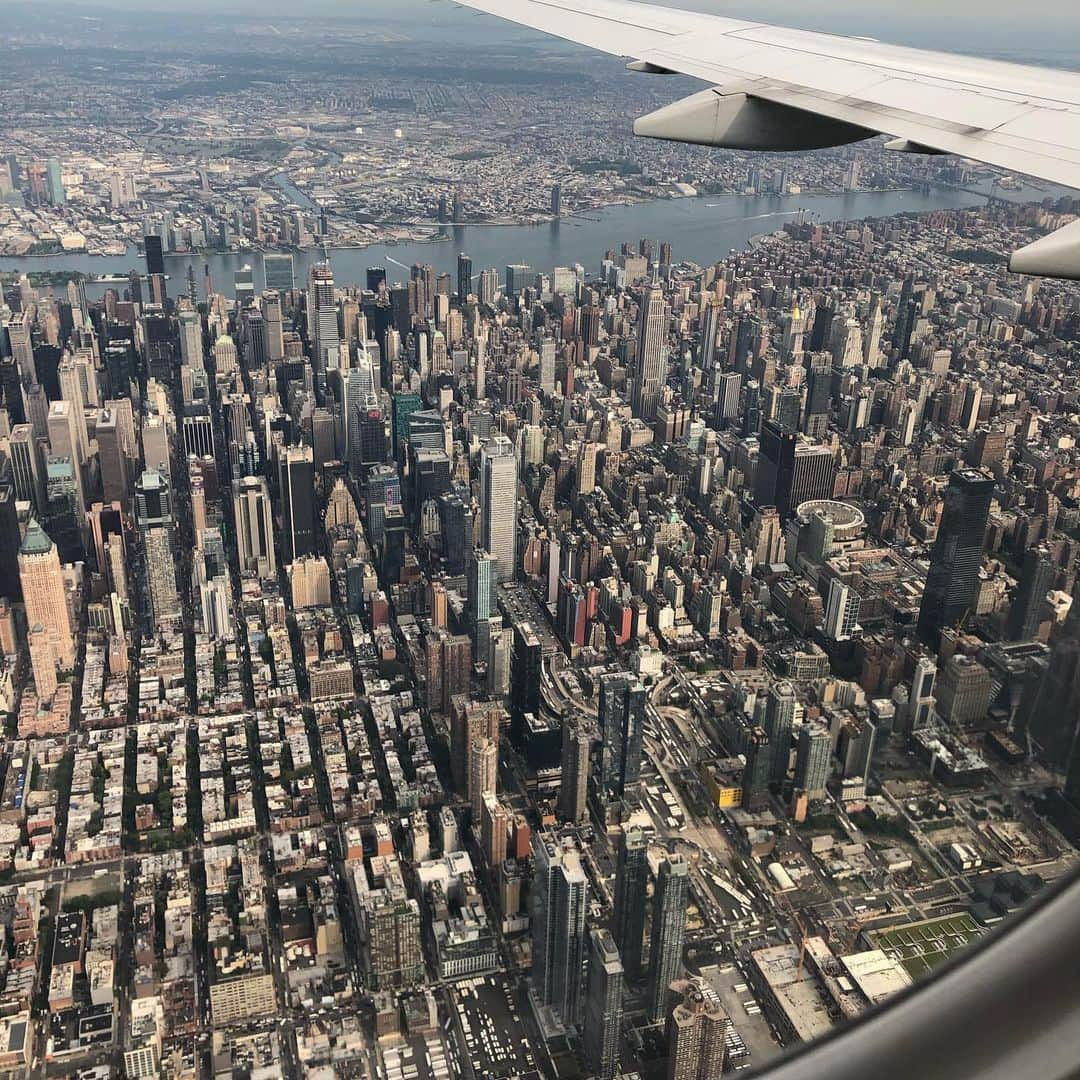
(702, 229)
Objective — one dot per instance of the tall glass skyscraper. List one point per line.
(560, 894)
(631, 882)
(668, 931)
(957, 555)
(622, 720)
(603, 1006)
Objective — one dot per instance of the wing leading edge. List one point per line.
(780, 89)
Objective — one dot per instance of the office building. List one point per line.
(650, 372)
(500, 650)
(383, 491)
(518, 277)
(64, 442)
(1036, 580)
(254, 524)
(10, 541)
(668, 930)
(482, 576)
(154, 250)
(1051, 716)
(48, 621)
(297, 486)
(28, 469)
(54, 177)
(545, 348)
(447, 662)
(470, 722)
(191, 338)
(963, 690)
(498, 505)
(278, 273)
(322, 320)
(791, 471)
(957, 554)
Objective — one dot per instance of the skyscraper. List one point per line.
(57, 194)
(790, 471)
(254, 526)
(813, 762)
(383, 487)
(153, 515)
(489, 286)
(546, 349)
(297, 482)
(652, 350)
(631, 883)
(27, 467)
(758, 771)
(278, 273)
(957, 555)
(728, 392)
(322, 323)
(52, 640)
(621, 716)
(573, 789)
(696, 1037)
(448, 662)
(560, 893)
(842, 606)
(603, 1006)
(518, 276)
(481, 580)
(498, 505)
(483, 774)
(525, 670)
(470, 722)
(464, 277)
(1036, 580)
(498, 662)
(780, 706)
(114, 463)
(10, 542)
(668, 931)
(64, 442)
(191, 338)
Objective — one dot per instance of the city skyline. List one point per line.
(485, 595)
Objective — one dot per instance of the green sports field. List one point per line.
(922, 946)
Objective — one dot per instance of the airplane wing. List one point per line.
(780, 89)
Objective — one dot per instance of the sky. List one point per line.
(995, 27)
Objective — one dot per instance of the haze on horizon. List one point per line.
(994, 27)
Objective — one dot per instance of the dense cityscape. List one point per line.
(524, 671)
(350, 150)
